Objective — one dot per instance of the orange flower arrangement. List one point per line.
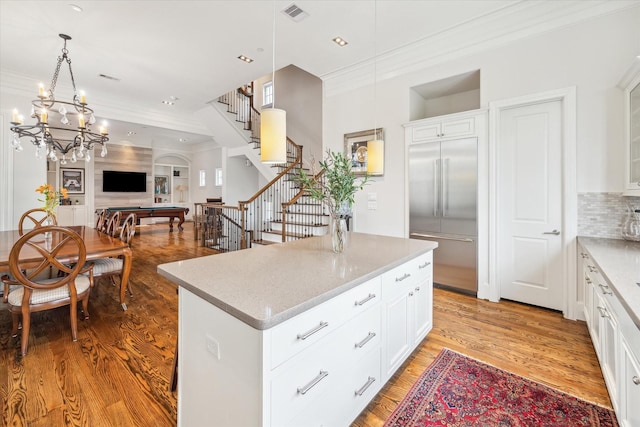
(51, 197)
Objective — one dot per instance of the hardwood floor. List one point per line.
(118, 372)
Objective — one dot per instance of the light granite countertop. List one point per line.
(619, 263)
(265, 286)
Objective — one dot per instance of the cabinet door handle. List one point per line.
(636, 380)
(369, 298)
(313, 382)
(366, 339)
(410, 294)
(603, 312)
(404, 276)
(307, 334)
(588, 280)
(425, 265)
(604, 289)
(366, 385)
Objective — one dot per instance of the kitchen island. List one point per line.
(293, 334)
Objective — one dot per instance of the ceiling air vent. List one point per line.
(295, 13)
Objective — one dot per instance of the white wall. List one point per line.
(592, 56)
(242, 181)
(205, 157)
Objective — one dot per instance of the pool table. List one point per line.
(170, 212)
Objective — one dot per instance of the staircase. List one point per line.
(278, 212)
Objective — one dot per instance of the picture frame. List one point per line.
(355, 148)
(161, 184)
(72, 180)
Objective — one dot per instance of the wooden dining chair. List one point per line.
(31, 219)
(38, 294)
(101, 220)
(34, 218)
(112, 267)
(113, 224)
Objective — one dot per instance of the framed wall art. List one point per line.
(356, 148)
(72, 180)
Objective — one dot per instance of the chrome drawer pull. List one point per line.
(369, 298)
(366, 339)
(417, 288)
(603, 312)
(636, 380)
(604, 289)
(404, 276)
(306, 335)
(316, 380)
(366, 385)
(425, 265)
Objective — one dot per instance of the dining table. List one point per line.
(98, 245)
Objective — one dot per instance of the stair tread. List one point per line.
(304, 213)
(288, 234)
(277, 221)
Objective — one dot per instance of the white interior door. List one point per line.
(530, 204)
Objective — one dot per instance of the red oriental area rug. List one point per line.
(459, 391)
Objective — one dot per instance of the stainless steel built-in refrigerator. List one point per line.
(443, 207)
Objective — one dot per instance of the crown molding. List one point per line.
(509, 24)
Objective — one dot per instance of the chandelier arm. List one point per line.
(73, 80)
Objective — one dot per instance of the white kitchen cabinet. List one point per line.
(631, 87)
(453, 126)
(629, 412)
(616, 340)
(72, 215)
(407, 316)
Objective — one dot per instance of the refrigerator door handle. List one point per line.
(430, 236)
(445, 186)
(436, 187)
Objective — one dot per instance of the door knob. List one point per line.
(554, 232)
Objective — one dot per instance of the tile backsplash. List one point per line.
(602, 214)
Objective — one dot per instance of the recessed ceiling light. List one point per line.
(245, 59)
(183, 140)
(340, 41)
(75, 7)
(130, 133)
(166, 102)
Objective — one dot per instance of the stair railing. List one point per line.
(240, 103)
(261, 210)
(221, 227)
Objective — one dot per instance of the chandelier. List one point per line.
(71, 138)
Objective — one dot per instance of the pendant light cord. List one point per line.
(273, 59)
(375, 69)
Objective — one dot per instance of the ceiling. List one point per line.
(188, 49)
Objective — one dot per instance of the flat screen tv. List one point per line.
(125, 182)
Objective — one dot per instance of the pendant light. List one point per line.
(273, 121)
(375, 147)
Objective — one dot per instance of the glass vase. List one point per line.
(338, 234)
(631, 226)
(47, 222)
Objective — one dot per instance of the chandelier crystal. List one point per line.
(63, 128)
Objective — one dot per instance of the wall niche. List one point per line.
(446, 96)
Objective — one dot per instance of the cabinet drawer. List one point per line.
(359, 336)
(408, 274)
(298, 333)
(302, 385)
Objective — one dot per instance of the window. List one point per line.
(203, 178)
(267, 94)
(218, 177)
